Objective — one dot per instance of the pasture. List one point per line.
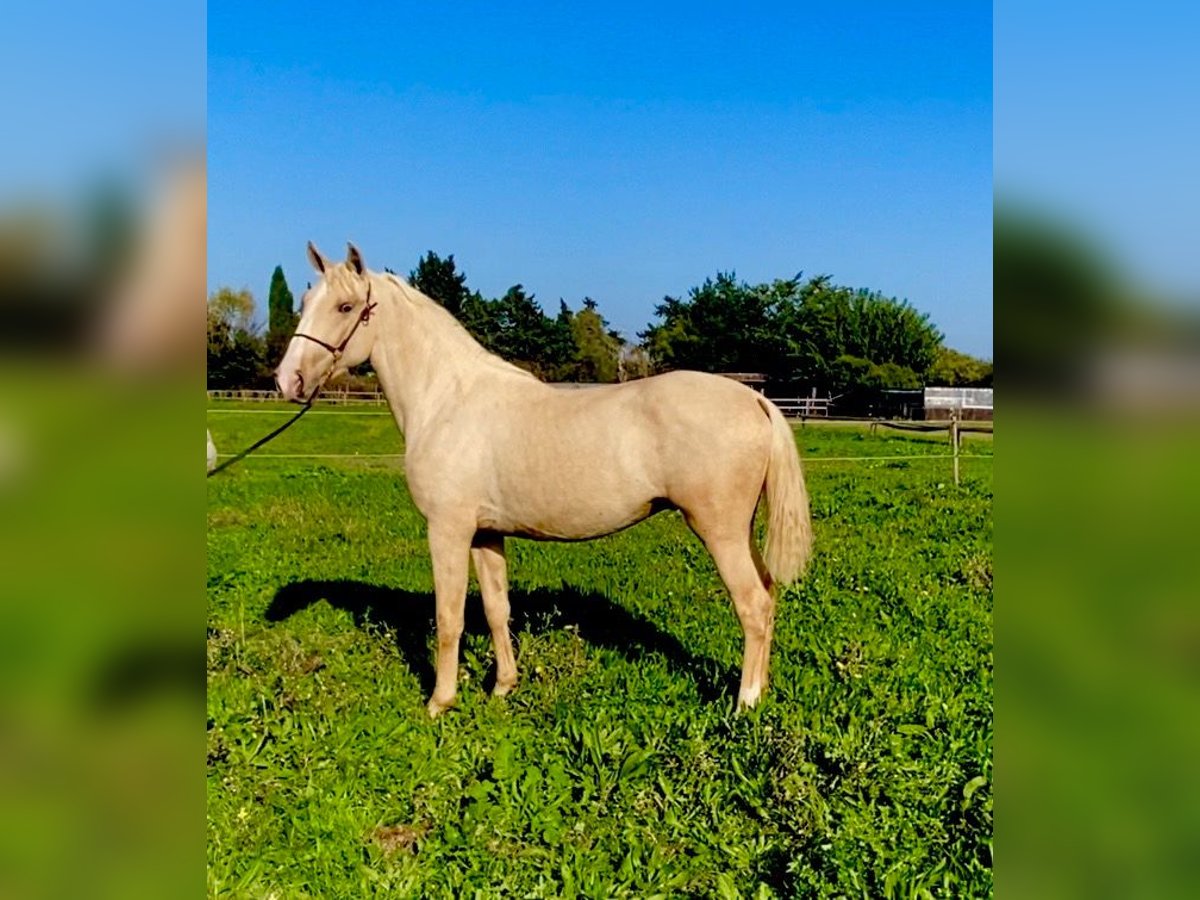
(617, 768)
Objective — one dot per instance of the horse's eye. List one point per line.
(346, 307)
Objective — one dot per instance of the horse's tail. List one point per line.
(789, 529)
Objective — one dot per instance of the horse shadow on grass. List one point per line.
(410, 615)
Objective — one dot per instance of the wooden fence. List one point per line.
(952, 424)
(333, 396)
(803, 407)
(795, 408)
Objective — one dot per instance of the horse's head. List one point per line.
(334, 333)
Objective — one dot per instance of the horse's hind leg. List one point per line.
(742, 573)
(487, 551)
(765, 578)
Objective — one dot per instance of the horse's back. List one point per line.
(674, 406)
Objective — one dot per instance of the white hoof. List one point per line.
(436, 709)
(748, 698)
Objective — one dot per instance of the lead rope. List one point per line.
(278, 431)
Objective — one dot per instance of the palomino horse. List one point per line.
(492, 451)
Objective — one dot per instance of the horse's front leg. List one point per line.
(449, 549)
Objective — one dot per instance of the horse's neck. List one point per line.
(424, 360)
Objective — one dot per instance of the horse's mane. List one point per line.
(444, 327)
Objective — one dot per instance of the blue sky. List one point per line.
(617, 151)
(96, 93)
(1096, 126)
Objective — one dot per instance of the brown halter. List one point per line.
(341, 348)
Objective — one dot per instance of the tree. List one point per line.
(597, 352)
(560, 352)
(481, 317)
(952, 368)
(281, 316)
(440, 280)
(1061, 297)
(634, 363)
(723, 326)
(822, 323)
(234, 308)
(235, 351)
(527, 336)
(568, 346)
(800, 333)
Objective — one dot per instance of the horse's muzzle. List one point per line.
(290, 385)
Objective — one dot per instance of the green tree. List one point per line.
(800, 333)
(234, 308)
(858, 384)
(561, 353)
(564, 347)
(281, 316)
(481, 317)
(597, 351)
(822, 323)
(634, 362)
(235, 350)
(1062, 299)
(723, 326)
(440, 280)
(951, 368)
(525, 335)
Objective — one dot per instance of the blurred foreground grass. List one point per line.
(1098, 704)
(99, 675)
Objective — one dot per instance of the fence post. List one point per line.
(954, 441)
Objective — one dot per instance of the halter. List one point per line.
(341, 348)
(337, 355)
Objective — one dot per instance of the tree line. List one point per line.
(802, 333)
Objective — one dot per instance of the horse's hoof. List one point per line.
(503, 690)
(748, 699)
(436, 709)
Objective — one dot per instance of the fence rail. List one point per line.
(334, 396)
(803, 407)
(953, 425)
(792, 407)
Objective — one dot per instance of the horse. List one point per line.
(491, 451)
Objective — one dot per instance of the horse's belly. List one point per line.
(569, 521)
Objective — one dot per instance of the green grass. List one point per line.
(617, 767)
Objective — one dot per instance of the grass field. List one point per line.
(617, 767)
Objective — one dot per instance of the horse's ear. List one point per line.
(354, 259)
(315, 257)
